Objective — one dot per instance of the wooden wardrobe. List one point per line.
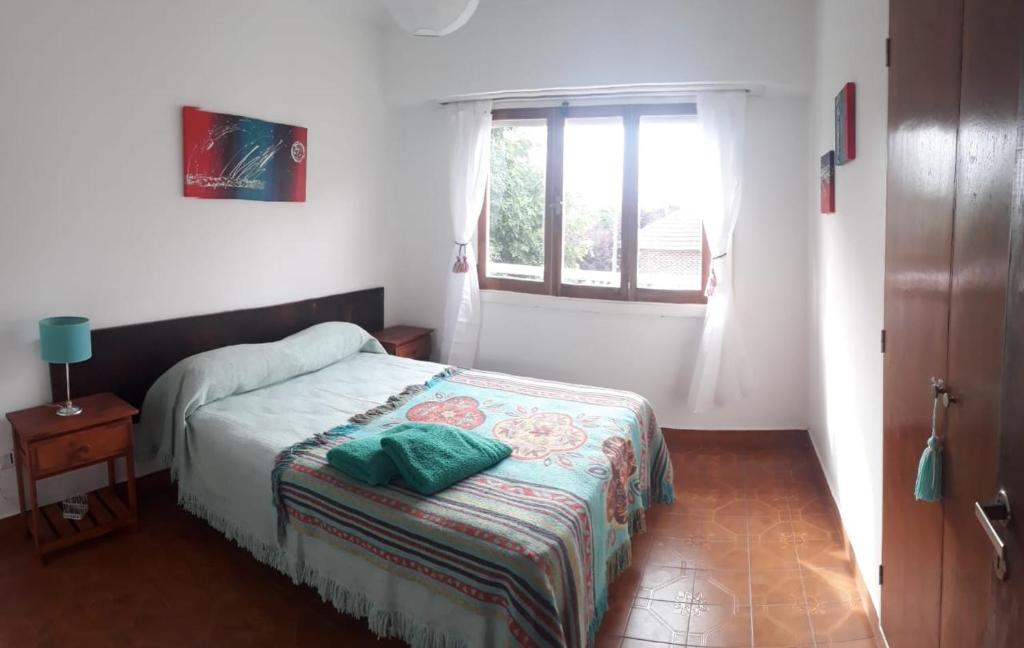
(954, 104)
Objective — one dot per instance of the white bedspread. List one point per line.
(248, 430)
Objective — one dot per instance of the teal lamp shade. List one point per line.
(65, 340)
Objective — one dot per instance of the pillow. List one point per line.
(217, 374)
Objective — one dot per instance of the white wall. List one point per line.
(517, 44)
(92, 220)
(848, 251)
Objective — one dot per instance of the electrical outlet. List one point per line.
(7, 461)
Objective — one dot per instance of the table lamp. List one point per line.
(64, 340)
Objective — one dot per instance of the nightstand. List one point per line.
(406, 341)
(46, 444)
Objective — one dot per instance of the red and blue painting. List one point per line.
(846, 124)
(227, 156)
(828, 183)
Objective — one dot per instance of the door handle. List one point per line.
(999, 513)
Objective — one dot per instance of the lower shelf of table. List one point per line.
(107, 512)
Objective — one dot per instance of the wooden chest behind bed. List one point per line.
(406, 341)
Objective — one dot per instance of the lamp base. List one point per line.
(69, 410)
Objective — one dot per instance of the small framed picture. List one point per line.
(828, 183)
(846, 124)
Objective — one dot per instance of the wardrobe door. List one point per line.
(1006, 623)
(986, 150)
(924, 99)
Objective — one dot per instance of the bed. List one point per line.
(520, 554)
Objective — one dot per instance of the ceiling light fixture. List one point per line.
(431, 18)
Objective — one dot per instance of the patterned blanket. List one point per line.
(530, 544)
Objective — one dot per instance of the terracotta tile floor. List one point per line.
(749, 555)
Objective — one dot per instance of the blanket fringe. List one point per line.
(383, 623)
(665, 493)
(399, 399)
(288, 455)
(268, 554)
(619, 561)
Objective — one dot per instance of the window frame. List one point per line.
(553, 192)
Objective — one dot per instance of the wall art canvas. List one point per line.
(846, 124)
(227, 156)
(828, 183)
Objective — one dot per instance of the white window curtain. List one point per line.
(720, 375)
(470, 166)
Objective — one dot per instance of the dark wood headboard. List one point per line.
(127, 360)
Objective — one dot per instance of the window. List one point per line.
(517, 196)
(595, 201)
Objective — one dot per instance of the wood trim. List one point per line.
(553, 213)
(990, 65)
(483, 255)
(406, 341)
(584, 112)
(748, 438)
(671, 296)
(1005, 622)
(630, 203)
(78, 449)
(576, 290)
(924, 89)
(545, 287)
(705, 263)
(482, 252)
(507, 114)
(592, 292)
(47, 445)
(683, 296)
(688, 109)
(56, 533)
(515, 285)
(127, 360)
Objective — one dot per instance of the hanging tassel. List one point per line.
(712, 285)
(928, 487)
(461, 262)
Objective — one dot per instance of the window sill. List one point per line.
(603, 306)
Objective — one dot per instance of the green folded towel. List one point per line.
(431, 457)
(364, 460)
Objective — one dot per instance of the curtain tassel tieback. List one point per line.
(712, 284)
(461, 262)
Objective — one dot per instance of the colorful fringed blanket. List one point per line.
(530, 544)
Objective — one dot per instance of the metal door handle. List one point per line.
(998, 512)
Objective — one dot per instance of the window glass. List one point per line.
(515, 224)
(592, 201)
(670, 236)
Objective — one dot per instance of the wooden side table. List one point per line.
(406, 341)
(46, 444)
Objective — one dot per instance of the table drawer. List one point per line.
(418, 349)
(83, 447)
